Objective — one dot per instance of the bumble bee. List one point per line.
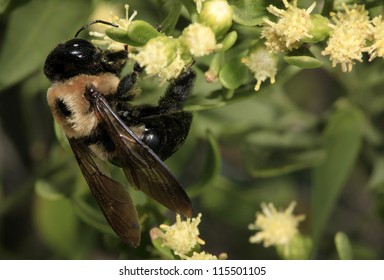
(91, 104)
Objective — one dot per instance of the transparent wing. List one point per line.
(142, 167)
(113, 199)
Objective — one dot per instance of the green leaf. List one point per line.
(228, 41)
(249, 12)
(29, 39)
(138, 33)
(275, 162)
(47, 191)
(343, 246)
(376, 182)
(57, 225)
(4, 5)
(232, 74)
(304, 61)
(342, 140)
(212, 166)
(299, 248)
(92, 216)
(157, 242)
(169, 23)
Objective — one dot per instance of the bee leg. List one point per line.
(125, 89)
(165, 133)
(178, 91)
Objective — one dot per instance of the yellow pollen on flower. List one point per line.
(262, 64)
(377, 31)
(294, 24)
(162, 56)
(348, 36)
(199, 39)
(200, 256)
(275, 227)
(182, 236)
(153, 56)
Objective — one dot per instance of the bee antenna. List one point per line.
(93, 22)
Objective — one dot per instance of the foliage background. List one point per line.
(316, 137)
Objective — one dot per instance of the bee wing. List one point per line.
(113, 199)
(142, 167)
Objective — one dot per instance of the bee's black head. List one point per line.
(72, 58)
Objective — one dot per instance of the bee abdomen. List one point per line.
(167, 133)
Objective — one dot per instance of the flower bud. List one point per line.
(137, 34)
(199, 39)
(218, 15)
(320, 29)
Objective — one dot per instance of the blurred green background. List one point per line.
(316, 137)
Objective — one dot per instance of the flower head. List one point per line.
(377, 31)
(102, 39)
(263, 65)
(182, 236)
(202, 256)
(293, 26)
(348, 36)
(218, 15)
(199, 39)
(275, 227)
(161, 56)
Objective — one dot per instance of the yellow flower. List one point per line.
(293, 26)
(218, 15)
(348, 36)
(275, 227)
(161, 56)
(199, 39)
(263, 64)
(377, 31)
(182, 236)
(199, 256)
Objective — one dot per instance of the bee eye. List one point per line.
(62, 108)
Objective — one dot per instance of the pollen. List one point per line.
(263, 64)
(154, 56)
(199, 39)
(275, 227)
(162, 56)
(348, 36)
(377, 31)
(200, 256)
(182, 236)
(293, 25)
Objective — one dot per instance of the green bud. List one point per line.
(229, 41)
(218, 15)
(138, 33)
(320, 29)
(299, 248)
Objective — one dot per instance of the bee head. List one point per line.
(72, 58)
